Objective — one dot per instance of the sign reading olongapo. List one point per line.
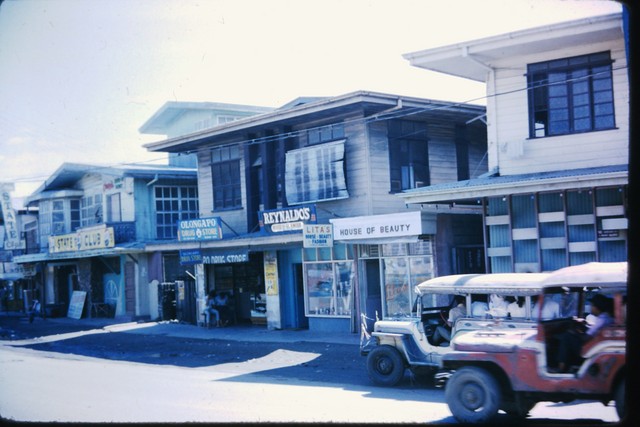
(287, 219)
(99, 237)
(194, 230)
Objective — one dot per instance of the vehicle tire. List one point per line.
(385, 366)
(619, 397)
(473, 395)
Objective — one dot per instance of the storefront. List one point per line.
(389, 255)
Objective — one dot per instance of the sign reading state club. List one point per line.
(192, 230)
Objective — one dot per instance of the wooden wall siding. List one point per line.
(90, 184)
(517, 154)
(237, 218)
(144, 210)
(442, 159)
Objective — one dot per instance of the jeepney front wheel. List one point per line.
(385, 366)
(473, 395)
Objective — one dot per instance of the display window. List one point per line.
(329, 281)
(403, 266)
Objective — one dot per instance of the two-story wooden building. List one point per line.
(558, 143)
(94, 223)
(310, 228)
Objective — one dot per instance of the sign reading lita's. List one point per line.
(287, 219)
(200, 229)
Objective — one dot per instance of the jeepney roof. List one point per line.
(516, 284)
(593, 274)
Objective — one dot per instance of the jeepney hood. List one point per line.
(396, 326)
(492, 340)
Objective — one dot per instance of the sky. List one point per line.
(79, 77)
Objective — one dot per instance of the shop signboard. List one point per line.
(378, 226)
(100, 237)
(225, 256)
(195, 230)
(190, 257)
(9, 217)
(318, 236)
(76, 304)
(291, 219)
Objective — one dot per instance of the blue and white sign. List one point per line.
(190, 257)
(287, 219)
(194, 230)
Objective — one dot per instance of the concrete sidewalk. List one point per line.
(244, 333)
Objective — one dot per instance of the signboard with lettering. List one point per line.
(287, 219)
(225, 256)
(100, 237)
(195, 230)
(190, 257)
(8, 215)
(377, 226)
(318, 236)
(76, 304)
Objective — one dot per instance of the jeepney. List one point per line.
(513, 369)
(406, 340)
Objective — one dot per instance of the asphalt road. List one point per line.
(341, 363)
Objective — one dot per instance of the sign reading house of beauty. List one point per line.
(191, 230)
(287, 219)
(377, 226)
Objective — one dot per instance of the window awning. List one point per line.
(316, 173)
(491, 186)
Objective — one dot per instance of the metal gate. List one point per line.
(167, 300)
(177, 300)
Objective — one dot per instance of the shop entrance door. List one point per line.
(301, 319)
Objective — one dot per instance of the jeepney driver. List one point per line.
(443, 332)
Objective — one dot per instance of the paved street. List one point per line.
(182, 373)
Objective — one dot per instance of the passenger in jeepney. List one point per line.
(497, 306)
(516, 308)
(479, 306)
(550, 309)
(443, 332)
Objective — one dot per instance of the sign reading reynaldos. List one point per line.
(192, 230)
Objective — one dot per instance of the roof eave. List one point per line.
(184, 142)
(513, 188)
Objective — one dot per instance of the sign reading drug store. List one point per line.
(194, 230)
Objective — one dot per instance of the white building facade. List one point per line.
(558, 143)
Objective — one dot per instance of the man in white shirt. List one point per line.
(443, 333)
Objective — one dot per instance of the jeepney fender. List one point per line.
(413, 352)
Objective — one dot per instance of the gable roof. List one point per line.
(378, 105)
(61, 182)
(172, 110)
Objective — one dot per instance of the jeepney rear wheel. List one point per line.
(385, 366)
(473, 395)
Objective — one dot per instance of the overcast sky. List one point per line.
(79, 77)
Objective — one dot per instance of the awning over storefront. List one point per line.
(255, 241)
(46, 256)
(519, 184)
